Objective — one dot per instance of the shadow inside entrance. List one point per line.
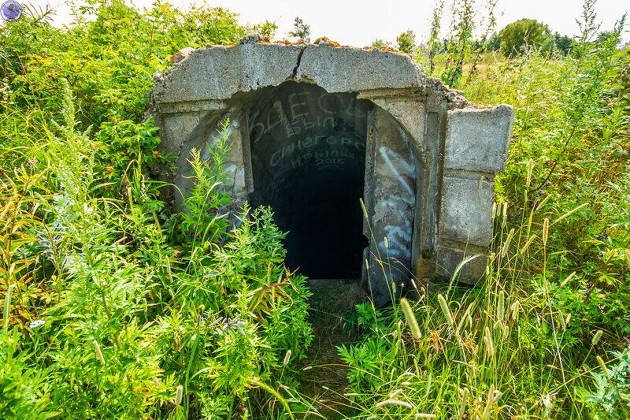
(308, 163)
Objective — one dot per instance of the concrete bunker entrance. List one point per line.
(314, 128)
(308, 156)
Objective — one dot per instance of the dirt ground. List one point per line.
(323, 378)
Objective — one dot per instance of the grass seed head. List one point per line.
(411, 319)
(487, 338)
(287, 357)
(179, 394)
(445, 310)
(99, 353)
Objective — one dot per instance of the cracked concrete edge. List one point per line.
(345, 69)
(218, 73)
(454, 98)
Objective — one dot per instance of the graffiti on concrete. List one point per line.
(318, 128)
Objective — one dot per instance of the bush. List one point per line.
(133, 327)
(112, 307)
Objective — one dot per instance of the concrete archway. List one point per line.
(316, 128)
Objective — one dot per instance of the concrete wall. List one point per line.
(430, 157)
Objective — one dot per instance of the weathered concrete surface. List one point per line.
(476, 140)
(316, 128)
(467, 265)
(354, 70)
(391, 185)
(218, 73)
(221, 72)
(466, 214)
(475, 149)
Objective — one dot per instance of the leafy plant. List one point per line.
(611, 397)
(132, 326)
(300, 29)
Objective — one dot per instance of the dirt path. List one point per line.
(323, 378)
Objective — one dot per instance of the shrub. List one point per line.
(104, 316)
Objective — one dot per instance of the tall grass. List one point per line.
(538, 338)
(104, 316)
(500, 350)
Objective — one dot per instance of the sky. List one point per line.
(360, 22)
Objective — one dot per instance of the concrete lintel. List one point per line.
(347, 69)
(218, 73)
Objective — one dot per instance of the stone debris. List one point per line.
(181, 55)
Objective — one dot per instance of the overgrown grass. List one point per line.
(114, 307)
(105, 318)
(505, 349)
(538, 339)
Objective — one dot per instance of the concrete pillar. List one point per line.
(475, 150)
(391, 191)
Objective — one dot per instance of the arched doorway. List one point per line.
(424, 158)
(308, 152)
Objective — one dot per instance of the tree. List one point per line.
(407, 41)
(563, 43)
(518, 36)
(300, 29)
(493, 43)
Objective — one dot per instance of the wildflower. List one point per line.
(36, 324)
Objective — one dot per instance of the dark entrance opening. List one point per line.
(308, 163)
